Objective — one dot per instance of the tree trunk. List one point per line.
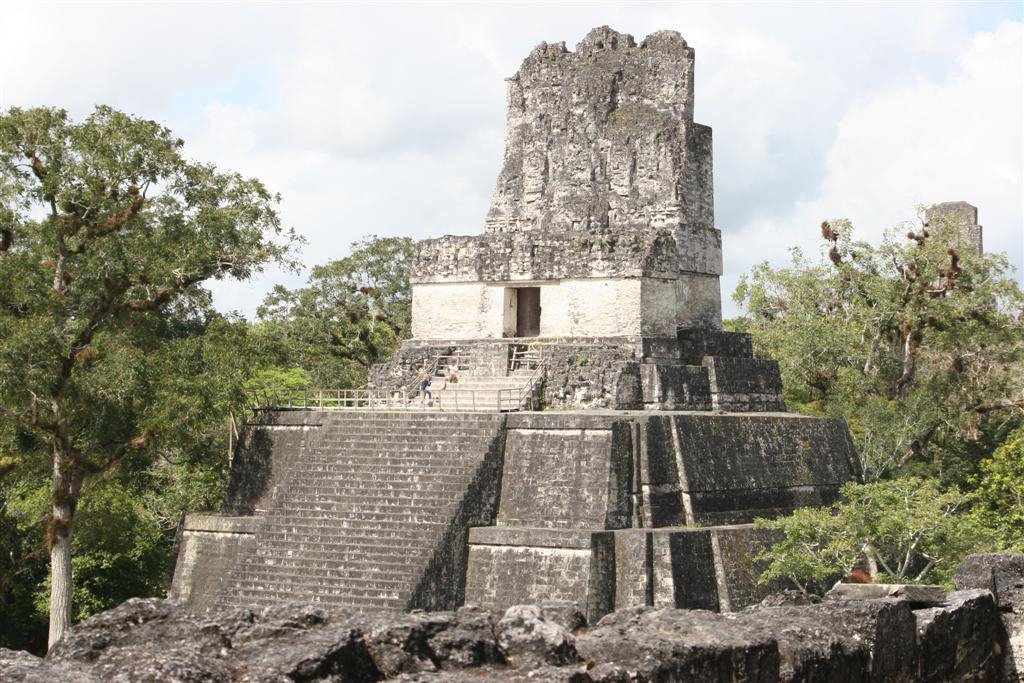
(66, 488)
(60, 586)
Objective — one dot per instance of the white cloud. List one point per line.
(931, 141)
(389, 118)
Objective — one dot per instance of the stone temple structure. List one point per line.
(962, 215)
(606, 442)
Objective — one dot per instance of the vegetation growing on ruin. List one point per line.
(919, 344)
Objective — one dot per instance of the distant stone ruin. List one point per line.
(963, 215)
(605, 441)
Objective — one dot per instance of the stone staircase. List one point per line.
(375, 513)
(477, 389)
(488, 393)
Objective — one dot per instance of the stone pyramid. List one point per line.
(588, 431)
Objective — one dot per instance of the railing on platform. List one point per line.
(450, 397)
(526, 356)
(488, 400)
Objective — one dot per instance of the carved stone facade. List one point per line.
(604, 205)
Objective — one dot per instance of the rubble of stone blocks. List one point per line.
(789, 637)
(1003, 575)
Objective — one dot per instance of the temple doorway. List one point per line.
(527, 311)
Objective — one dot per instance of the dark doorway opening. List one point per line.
(527, 311)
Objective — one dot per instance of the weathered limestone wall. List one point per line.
(698, 301)
(607, 148)
(696, 369)
(963, 215)
(708, 568)
(267, 448)
(548, 564)
(595, 307)
(457, 311)
(569, 476)
(476, 310)
(568, 309)
(592, 374)
(606, 181)
(576, 254)
(675, 490)
(745, 384)
(733, 468)
(208, 547)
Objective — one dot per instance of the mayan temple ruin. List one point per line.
(606, 441)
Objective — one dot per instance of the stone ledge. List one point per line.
(222, 523)
(917, 594)
(535, 537)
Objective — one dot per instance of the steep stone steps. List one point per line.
(403, 418)
(352, 564)
(257, 595)
(363, 513)
(390, 465)
(332, 547)
(329, 508)
(412, 535)
(394, 474)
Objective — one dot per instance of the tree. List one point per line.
(813, 549)
(905, 529)
(1000, 492)
(353, 313)
(192, 378)
(919, 344)
(105, 230)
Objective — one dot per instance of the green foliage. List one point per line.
(918, 344)
(277, 378)
(120, 547)
(812, 551)
(1000, 492)
(353, 313)
(115, 373)
(905, 530)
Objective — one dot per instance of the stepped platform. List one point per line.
(402, 510)
(348, 508)
(606, 441)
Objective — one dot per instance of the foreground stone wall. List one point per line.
(1003, 575)
(790, 637)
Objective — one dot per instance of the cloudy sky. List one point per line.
(388, 119)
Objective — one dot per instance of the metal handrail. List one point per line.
(531, 348)
(528, 388)
(486, 400)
